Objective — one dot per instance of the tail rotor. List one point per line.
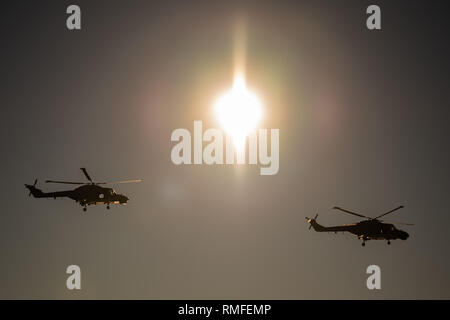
(311, 220)
(31, 186)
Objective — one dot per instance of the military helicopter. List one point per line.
(370, 229)
(87, 194)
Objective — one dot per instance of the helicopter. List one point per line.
(89, 193)
(370, 229)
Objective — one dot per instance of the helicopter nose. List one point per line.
(404, 235)
(122, 199)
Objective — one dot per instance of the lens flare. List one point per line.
(239, 111)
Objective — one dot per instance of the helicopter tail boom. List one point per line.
(319, 228)
(37, 193)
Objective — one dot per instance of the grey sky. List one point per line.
(363, 119)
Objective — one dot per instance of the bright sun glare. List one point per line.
(238, 111)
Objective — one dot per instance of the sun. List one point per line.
(239, 111)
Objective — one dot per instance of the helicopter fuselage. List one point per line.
(93, 194)
(365, 230)
(86, 194)
(89, 194)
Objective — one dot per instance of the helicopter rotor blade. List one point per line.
(122, 181)
(87, 175)
(397, 222)
(63, 182)
(390, 211)
(350, 212)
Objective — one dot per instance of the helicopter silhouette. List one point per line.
(90, 193)
(370, 229)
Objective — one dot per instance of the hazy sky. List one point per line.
(364, 124)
